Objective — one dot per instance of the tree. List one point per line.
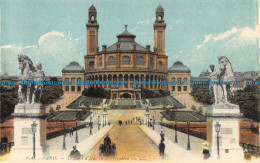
(50, 93)
(202, 94)
(247, 100)
(9, 98)
(96, 92)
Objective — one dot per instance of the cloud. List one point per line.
(238, 44)
(241, 33)
(53, 49)
(48, 35)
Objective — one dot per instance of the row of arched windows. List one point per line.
(179, 79)
(73, 87)
(126, 61)
(73, 80)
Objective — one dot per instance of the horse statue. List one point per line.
(222, 92)
(226, 75)
(29, 92)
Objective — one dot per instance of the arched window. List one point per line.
(173, 79)
(78, 79)
(126, 60)
(140, 61)
(91, 65)
(100, 62)
(179, 79)
(72, 81)
(185, 81)
(111, 60)
(160, 65)
(92, 17)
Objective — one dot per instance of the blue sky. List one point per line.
(54, 33)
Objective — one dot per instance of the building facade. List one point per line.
(126, 60)
(179, 73)
(125, 64)
(73, 73)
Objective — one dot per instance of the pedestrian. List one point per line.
(162, 136)
(125, 122)
(74, 154)
(205, 151)
(161, 149)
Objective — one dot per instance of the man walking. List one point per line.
(161, 149)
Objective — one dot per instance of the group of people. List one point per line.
(120, 122)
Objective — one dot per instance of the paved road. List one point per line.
(131, 144)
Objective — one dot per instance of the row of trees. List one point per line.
(9, 98)
(247, 99)
(153, 94)
(96, 92)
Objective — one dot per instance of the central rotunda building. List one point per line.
(126, 60)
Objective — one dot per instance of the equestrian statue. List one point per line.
(30, 87)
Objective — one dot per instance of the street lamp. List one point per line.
(217, 129)
(64, 143)
(98, 123)
(175, 127)
(76, 141)
(103, 119)
(161, 121)
(188, 144)
(153, 122)
(34, 128)
(90, 125)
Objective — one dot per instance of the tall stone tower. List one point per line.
(92, 31)
(159, 31)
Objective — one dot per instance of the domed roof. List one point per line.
(126, 40)
(125, 34)
(179, 67)
(159, 9)
(92, 9)
(73, 67)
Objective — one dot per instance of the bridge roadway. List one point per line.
(131, 144)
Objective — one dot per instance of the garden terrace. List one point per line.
(84, 101)
(124, 102)
(183, 116)
(68, 116)
(166, 101)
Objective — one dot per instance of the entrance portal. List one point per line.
(125, 95)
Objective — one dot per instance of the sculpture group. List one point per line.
(221, 92)
(29, 93)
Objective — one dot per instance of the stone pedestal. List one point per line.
(227, 115)
(24, 116)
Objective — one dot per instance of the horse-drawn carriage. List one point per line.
(108, 148)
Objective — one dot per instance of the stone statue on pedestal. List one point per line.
(225, 74)
(29, 92)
